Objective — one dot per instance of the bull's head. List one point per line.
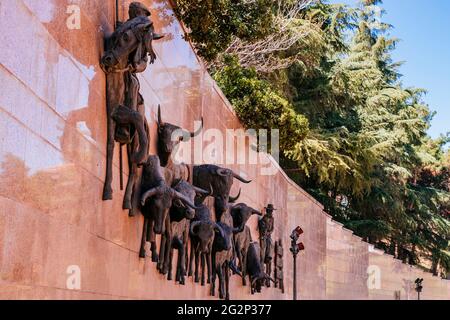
(241, 213)
(190, 192)
(162, 198)
(204, 231)
(169, 136)
(223, 238)
(133, 36)
(259, 280)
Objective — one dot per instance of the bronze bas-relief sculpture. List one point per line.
(241, 213)
(170, 205)
(126, 53)
(176, 233)
(255, 269)
(220, 179)
(278, 274)
(156, 200)
(266, 227)
(169, 136)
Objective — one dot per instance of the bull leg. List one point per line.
(191, 258)
(152, 240)
(167, 244)
(111, 125)
(169, 267)
(221, 282)
(182, 254)
(163, 253)
(203, 269)
(244, 268)
(132, 175)
(213, 275)
(144, 235)
(197, 254)
(227, 281)
(181, 259)
(208, 265)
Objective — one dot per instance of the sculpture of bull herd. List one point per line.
(173, 206)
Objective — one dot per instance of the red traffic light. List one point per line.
(300, 246)
(298, 231)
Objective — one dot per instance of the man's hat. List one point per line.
(270, 207)
(137, 6)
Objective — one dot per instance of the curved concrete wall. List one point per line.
(52, 160)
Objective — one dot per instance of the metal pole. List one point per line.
(295, 277)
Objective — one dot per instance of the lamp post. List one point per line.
(295, 249)
(419, 287)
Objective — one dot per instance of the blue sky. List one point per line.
(424, 30)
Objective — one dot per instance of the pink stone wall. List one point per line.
(52, 162)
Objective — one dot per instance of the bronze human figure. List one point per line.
(266, 227)
(126, 53)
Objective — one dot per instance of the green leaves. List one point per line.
(258, 105)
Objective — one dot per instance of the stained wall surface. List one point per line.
(52, 162)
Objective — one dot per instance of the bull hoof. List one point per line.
(126, 204)
(155, 257)
(142, 254)
(227, 297)
(169, 277)
(244, 282)
(196, 280)
(131, 213)
(182, 281)
(107, 194)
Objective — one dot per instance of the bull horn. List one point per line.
(185, 199)
(193, 225)
(234, 199)
(199, 130)
(211, 190)
(235, 175)
(219, 228)
(201, 191)
(159, 116)
(223, 172)
(256, 212)
(148, 194)
(157, 36)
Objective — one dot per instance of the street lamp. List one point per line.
(419, 287)
(295, 249)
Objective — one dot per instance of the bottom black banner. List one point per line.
(164, 310)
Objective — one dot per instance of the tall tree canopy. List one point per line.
(351, 133)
